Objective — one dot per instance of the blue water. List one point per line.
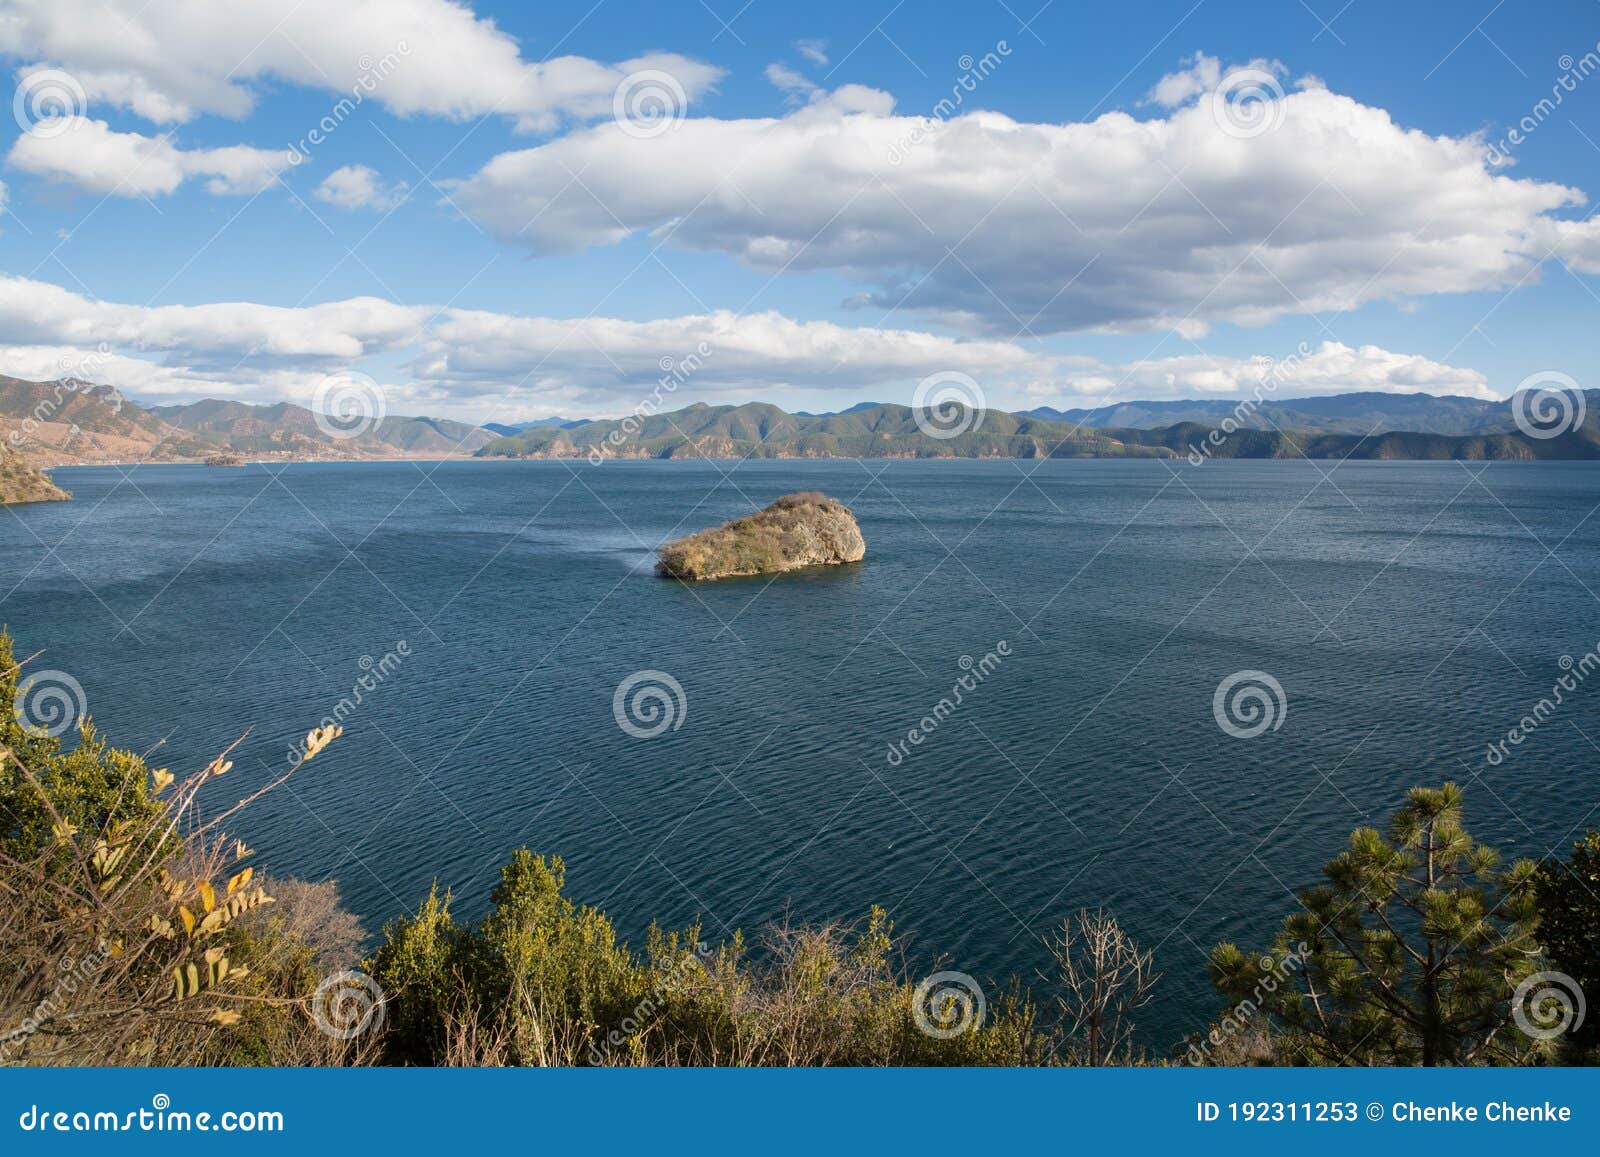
(1412, 613)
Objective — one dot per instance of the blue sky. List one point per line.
(483, 238)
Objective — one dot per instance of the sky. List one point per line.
(503, 212)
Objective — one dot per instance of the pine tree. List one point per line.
(1569, 925)
(1409, 954)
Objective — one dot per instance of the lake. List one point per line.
(1412, 613)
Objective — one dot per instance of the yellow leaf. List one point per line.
(208, 895)
(240, 880)
(64, 830)
(214, 954)
(188, 919)
(240, 851)
(163, 778)
(224, 1017)
(193, 974)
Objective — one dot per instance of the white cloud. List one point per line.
(1202, 74)
(359, 187)
(90, 154)
(798, 88)
(816, 51)
(1331, 368)
(758, 351)
(37, 313)
(171, 60)
(477, 365)
(1115, 224)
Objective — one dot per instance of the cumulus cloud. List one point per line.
(759, 351)
(359, 187)
(1116, 224)
(172, 60)
(1330, 368)
(93, 156)
(1202, 74)
(477, 365)
(38, 313)
(454, 357)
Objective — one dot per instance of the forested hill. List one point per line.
(759, 430)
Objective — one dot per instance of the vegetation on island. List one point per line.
(798, 530)
(137, 929)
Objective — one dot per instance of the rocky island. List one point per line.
(21, 482)
(798, 530)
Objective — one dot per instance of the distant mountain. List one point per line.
(759, 430)
(75, 421)
(288, 428)
(71, 421)
(1362, 413)
(506, 431)
(835, 413)
(1193, 440)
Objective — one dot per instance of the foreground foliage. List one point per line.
(135, 930)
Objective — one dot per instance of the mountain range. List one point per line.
(1358, 413)
(71, 421)
(1348, 426)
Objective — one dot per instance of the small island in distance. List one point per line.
(798, 530)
